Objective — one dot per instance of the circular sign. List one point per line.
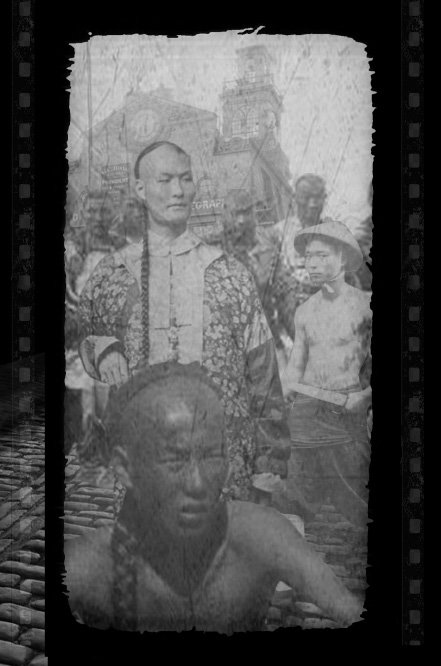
(145, 126)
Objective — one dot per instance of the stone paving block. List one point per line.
(9, 580)
(9, 631)
(7, 508)
(96, 492)
(78, 529)
(36, 587)
(25, 526)
(13, 595)
(40, 534)
(33, 638)
(77, 520)
(306, 608)
(38, 604)
(21, 615)
(4, 544)
(36, 545)
(22, 493)
(104, 501)
(316, 623)
(97, 514)
(39, 660)
(11, 519)
(79, 506)
(27, 570)
(26, 556)
(14, 654)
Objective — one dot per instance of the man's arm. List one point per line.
(100, 343)
(303, 570)
(299, 353)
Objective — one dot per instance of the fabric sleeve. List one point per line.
(263, 381)
(101, 305)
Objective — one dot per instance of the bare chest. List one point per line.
(336, 324)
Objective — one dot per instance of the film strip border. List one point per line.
(24, 239)
(412, 317)
(22, 571)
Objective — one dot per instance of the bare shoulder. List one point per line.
(304, 310)
(361, 299)
(262, 531)
(88, 565)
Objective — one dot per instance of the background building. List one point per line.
(241, 151)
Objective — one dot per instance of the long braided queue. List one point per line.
(124, 541)
(145, 273)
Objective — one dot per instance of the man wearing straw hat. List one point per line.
(328, 376)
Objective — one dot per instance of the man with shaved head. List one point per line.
(171, 297)
(178, 557)
(309, 200)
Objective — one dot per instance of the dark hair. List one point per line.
(145, 261)
(150, 148)
(124, 543)
(311, 179)
(147, 376)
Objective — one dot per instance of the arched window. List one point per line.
(238, 122)
(253, 122)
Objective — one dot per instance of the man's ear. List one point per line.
(140, 189)
(121, 465)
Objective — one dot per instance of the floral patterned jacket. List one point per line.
(203, 307)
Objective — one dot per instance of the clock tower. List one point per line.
(251, 105)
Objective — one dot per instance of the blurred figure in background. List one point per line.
(363, 234)
(309, 200)
(85, 246)
(257, 248)
(128, 226)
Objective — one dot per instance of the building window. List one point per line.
(253, 122)
(268, 213)
(237, 125)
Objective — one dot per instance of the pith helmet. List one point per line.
(339, 234)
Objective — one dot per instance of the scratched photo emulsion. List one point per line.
(217, 332)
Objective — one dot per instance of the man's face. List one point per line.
(178, 465)
(240, 223)
(99, 215)
(310, 201)
(323, 261)
(166, 185)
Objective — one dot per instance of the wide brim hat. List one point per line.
(339, 234)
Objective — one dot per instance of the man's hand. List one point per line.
(357, 402)
(113, 369)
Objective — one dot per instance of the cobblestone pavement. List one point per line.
(22, 545)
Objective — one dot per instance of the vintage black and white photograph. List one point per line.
(218, 406)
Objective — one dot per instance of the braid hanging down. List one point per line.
(123, 543)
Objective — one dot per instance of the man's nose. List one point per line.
(195, 484)
(176, 187)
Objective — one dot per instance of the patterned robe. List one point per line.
(203, 307)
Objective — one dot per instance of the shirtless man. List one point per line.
(330, 354)
(178, 558)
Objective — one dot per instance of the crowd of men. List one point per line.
(144, 293)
